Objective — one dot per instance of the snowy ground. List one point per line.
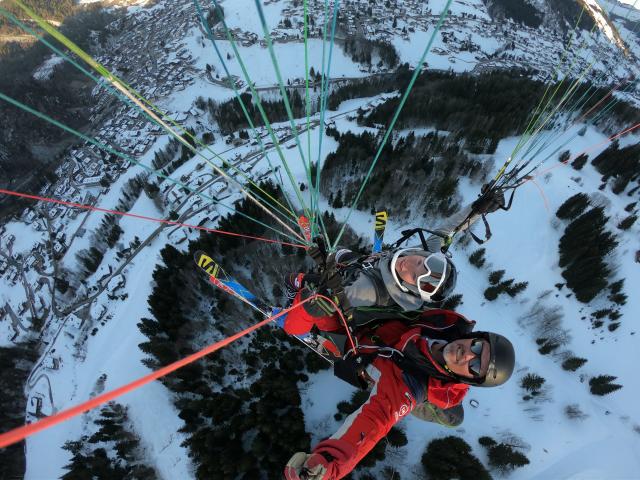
(525, 243)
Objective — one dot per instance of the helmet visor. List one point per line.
(436, 266)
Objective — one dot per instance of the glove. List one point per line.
(489, 201)
(318, 252)
(333, 281)
(304, 466)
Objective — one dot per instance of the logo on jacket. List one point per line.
(405, 408)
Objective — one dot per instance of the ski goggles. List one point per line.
(475, 364)
(430, 282)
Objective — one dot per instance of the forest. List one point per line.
(15, 365)
(482, 109)
(57, 10)
(426, 171)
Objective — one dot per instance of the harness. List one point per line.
(351, 368)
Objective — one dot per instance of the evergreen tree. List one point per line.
(496, 276)
(573, 363)
(628, 222)
(452, 458)
(90, 260)
(617, 296)
(397, 437)
(95, 462)
(505, 458)
(601, 385)
(337, 202)
(491, 293)
(583, 247)
(477, 258)
(452, 302)
(573, 206)
(580, 161)
(515, 289)
(532, 382)
(564, 156)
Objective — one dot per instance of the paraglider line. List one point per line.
(20, 433)
(587, 150)
(143, 217)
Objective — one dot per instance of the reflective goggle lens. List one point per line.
(475, 364)
(436, 266)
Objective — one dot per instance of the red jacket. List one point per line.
(391, 397)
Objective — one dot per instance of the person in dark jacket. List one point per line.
(424, 368)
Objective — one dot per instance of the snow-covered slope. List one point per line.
(97, 335)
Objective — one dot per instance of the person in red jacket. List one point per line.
(424, 368)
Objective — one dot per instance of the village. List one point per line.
(89, 171)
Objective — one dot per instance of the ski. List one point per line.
(378, 234)
(317, 341)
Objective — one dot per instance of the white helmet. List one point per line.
(436, 283)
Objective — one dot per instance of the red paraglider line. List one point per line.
(20, 433)
(142, 217)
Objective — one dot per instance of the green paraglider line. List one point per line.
(127, 101)
(256, 136)
(443, 15)
(326, 77)
(140, 101)
(263, 114)
(124, 156)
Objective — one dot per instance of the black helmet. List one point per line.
(501, 362)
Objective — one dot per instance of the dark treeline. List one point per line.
(622, 165)
(56, 10)
(517, 10)
(27, 144)
(522, 11)
(482, 109)
(363, 50)
(112, 452)
(369, 86)
(230, 116)
(15, 365)
(425, 171)
(584, 247)
(570, 11)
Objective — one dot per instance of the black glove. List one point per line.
(318, 251)
(333, 281)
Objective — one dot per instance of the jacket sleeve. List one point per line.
(388, 402)
(435, 243)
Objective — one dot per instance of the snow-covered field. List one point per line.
(606, 444)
